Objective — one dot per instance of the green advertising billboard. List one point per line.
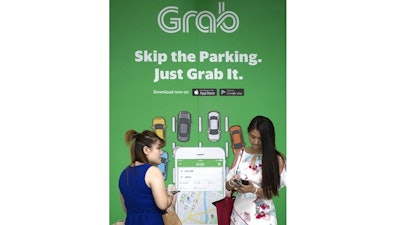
(197, 57)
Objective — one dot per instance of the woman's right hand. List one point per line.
(233, 181)
(170, 191)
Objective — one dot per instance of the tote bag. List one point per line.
(224, 209)
(171, 218)
(225, 205)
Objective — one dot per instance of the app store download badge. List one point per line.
(204, 92)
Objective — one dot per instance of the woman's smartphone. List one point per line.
(245, 182)
(241, 182)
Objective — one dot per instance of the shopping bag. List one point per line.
(224, 210)
(171, 218)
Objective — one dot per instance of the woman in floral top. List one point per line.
(264, 168)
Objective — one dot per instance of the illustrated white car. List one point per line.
(214, 126)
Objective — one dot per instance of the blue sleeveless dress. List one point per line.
(139, 202)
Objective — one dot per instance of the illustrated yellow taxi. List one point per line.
(159, 126)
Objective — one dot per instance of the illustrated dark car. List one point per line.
(237, 141)
(159, 126)
(214, 130)
(184, 122)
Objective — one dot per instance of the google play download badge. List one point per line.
(231, 92)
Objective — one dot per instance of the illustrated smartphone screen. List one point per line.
(200, 177)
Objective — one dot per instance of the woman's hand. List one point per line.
(249, 188)
(171, 191)
(240, 187)
(233, 181)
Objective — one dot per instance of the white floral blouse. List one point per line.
(249, 209)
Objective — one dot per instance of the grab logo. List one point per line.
(169, 21)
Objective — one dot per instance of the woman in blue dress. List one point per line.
(143, 194)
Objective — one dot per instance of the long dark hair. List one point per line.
(136, 142)
(270, 164)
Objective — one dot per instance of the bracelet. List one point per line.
(230, 184)
(255, 192)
